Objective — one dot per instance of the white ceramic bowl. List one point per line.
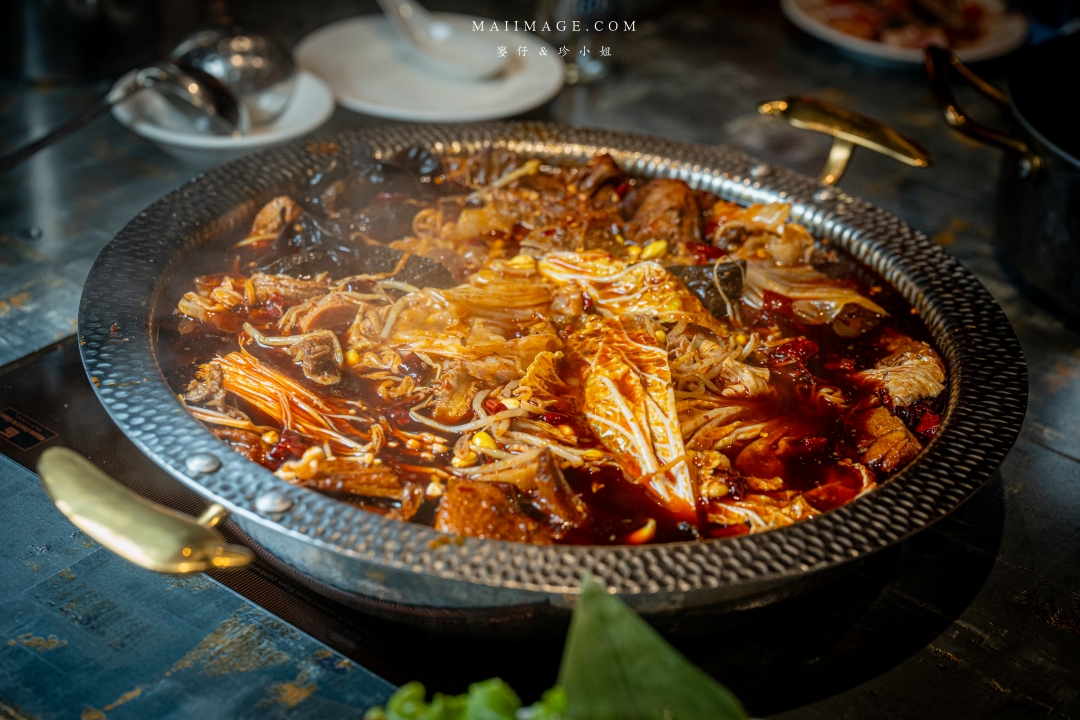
(148, 114)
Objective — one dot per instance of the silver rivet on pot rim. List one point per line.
(272, 502)
(203, 463)
(826, 194)
(760, 170)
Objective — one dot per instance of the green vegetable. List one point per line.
(488, 700)
(616, 667)
(408, 704)
(552, 706)
(491, 700)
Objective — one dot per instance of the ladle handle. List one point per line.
(848, 129)
(91, 112)
(149, 535)
(938, 60)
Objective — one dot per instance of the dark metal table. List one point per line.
(977, 617)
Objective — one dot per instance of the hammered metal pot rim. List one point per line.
(985, 409)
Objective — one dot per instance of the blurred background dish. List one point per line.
(446, 49)
(371, 70)
(256, 67)
(897, 32)
(148, 115)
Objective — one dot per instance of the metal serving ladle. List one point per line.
(218, 82)
(257, 68)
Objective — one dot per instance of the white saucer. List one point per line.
(369, 68)
(1006, 32)
(147, 113)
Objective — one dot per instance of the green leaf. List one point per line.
(407, 703)
(491, 700)
(616, 667)
(550, 706)
(446, 707)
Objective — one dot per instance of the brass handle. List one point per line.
(149, 535)
(938, 60)
(848, 129)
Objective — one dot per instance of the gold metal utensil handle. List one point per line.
(848, 129)
(147, 534)
(938, 60)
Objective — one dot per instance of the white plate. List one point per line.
(147, 113)
(1005, 33)
(370, 70)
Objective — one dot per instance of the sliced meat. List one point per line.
(487, 510)
(207, 387)
(549, 493)
(454, 393)
(759, 458)
(320, 357)
(318, 352)
(668, 211)
(541, 485)
(912, 371)
(721, 212)
(293, 290)
(339, 475)
(596, 172)
(483, 167)
(494, 369)
(366, 326)
(273, 216)
(243, 442)
(335, 311)
(758, 513)
(568, 304)
(886, 442)
(412, 497)
(844, 482)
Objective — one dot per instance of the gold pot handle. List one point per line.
(938, 60)
(848, 129)
(149, 535)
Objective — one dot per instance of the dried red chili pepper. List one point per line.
(704, 253)
(798, 350)
(290, 445)
(275, 305)
(493, 406)
(846, 364)
(776, 303)
(555, 418)
(413, 366)
(928, 424)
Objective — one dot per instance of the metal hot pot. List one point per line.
(1037, 216)
(412, 572)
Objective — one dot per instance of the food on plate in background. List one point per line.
(906, 23)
